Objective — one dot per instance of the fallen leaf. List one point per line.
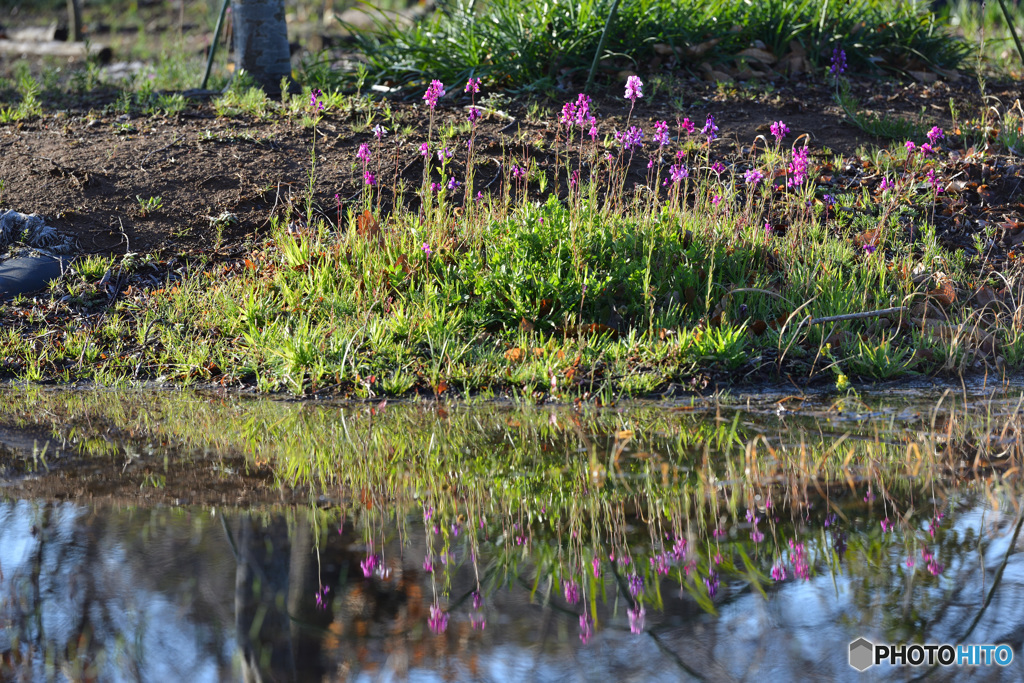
(514, 355)
(945, 294)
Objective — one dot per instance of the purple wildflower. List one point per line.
(870, 249)
(753, 177)
(364, 153)
(518, 172)
(661, 133)
(434, 189)
(426, 250)
(634, 88)
(927, 149)
(474, 114)
(687, 126)
(314, 100)
(678, 172)
(368, 565)
(434, 92)
(636, 619)
(369, 178)
(660, 563)
(838, 61)
(779, 130)
(886, 185)
(718, 168)
(778, 572)
(935, 134)
(572, 591)
(798, 167)
(425, 149)
(909, 144)
(933, 180)
(444, 154)
(630, 138)
(477, 621)
(710, 129)
(453, 185)
(473, 85)
(756, 535)
(379, 131)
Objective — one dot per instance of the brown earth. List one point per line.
(87, 172)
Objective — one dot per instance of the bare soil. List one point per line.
(88, 172)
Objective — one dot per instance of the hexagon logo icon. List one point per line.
(862, 654)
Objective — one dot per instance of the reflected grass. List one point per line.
(591, 508)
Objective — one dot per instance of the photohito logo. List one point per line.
(865, 654)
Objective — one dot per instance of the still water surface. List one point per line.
(178, 536)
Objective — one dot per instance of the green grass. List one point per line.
(498, 41)
(606, 292)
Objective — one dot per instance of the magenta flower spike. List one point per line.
(634, 89)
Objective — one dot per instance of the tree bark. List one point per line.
(261, 42)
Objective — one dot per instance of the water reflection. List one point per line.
(511, 544)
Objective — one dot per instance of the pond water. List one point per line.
(190, 536)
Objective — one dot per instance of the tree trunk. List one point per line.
(74, 20)
(261, 42)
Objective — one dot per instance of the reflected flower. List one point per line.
(636, 619)
(321, 597)
(798, 558)
(586, 628)
(478, 621)
(368, 565)
(712, 583)
(636, 584)
(428, 564)
(478, 600)
(660, 563)
(886, 525)
(778, 572)
(596, 564)
(438, 621)
(572, 592)
(756, 535)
